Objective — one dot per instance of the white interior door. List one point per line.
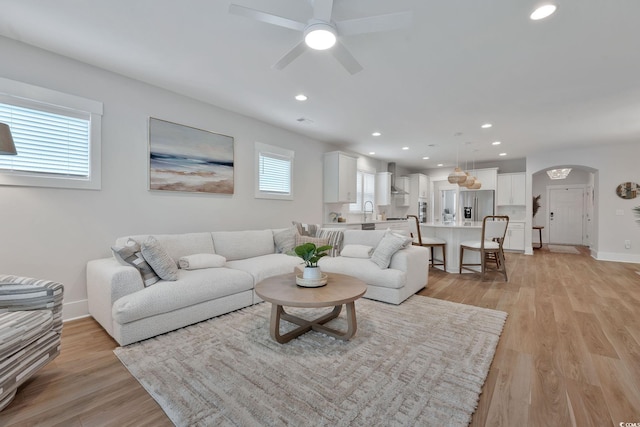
(566, 215)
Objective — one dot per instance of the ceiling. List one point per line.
(568, 81)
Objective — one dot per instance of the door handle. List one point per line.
(551, 216)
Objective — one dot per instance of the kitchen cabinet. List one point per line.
(511, 189)
(402, 183)
(340, 174)
(514, 239)
(383, 188)
(487, 177)
(418, 187)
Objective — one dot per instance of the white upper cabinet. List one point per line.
(511, 189)
(419, 186)
(402, 183)
(383, 188)
(340, 170)
(486, 176)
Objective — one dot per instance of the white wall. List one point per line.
(613, 164)
(52, 233)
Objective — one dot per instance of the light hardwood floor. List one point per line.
(569, 354)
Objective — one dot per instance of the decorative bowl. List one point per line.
(311, 283)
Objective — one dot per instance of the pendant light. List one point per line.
(477, 184)
(457, 176)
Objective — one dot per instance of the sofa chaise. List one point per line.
(130, 311)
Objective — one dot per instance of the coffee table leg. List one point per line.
(278, 313)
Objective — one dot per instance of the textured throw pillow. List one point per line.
(130, 254)
(159, 259)
(198, 261)
(318, 241)
(285, 240)
(389, 245)
(335, 239)
(356, 251)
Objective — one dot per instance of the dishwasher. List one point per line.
(368, 226)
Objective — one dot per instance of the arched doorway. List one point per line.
(567, 206)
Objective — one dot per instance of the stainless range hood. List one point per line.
(391, 167)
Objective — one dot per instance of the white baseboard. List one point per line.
(618, 257)
(75, 310)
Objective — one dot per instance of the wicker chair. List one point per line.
(494, 228)
(30, 328)
(430, 242)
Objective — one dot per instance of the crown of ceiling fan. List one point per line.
(322, 33)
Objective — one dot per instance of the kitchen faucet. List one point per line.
(365, 209)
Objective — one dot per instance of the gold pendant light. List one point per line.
(457, 176)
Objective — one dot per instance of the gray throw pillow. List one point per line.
(159, 259)
(388, 246)
(285, 240)
(130, 254)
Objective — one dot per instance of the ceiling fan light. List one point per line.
(320, 36)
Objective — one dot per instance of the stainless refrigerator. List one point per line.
(475, 205)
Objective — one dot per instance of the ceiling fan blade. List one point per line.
(344, 57)
(374, 24)
(266, 17)
(288, 58)
(322, 10)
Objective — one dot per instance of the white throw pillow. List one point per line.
(388, 246)
(356, 251)
(198, 261)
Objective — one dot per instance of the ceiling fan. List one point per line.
(321, 32)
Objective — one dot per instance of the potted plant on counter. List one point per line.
(311, 254)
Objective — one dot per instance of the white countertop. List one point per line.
(453, 224)
(374, 221)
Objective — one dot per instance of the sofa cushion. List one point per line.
(159, 259)
(356, 251)
(235, 245)
(130, 254)
(178, 245)
(365, 270)
(389, 245)
(198, 261)
(192, 287)
(335, 238)
(266, 266)
(285, 240)
(363, 237)
(19, 328)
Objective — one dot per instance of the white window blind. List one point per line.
(365, 190)
(274, 172)
(47, 142)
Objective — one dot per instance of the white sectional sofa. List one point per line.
(131, 312)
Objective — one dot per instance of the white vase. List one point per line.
(312, 273)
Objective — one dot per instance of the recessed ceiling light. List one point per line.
(543, 11)
(502, 154)
(301, 97)
(440, 164)
(405, 148)
(371, 153)
(425, 158)
(376, 134)
(496, 143)
(486, 126)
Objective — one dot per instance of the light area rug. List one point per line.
(562, 249)
(419, 363)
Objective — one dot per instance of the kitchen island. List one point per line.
(394, 224)
(453, 233)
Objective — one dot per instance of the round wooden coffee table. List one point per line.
(282, 291)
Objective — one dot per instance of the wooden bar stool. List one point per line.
(494, 228)
(539, 228)
(430, 242)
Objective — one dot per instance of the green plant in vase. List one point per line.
(311, 254)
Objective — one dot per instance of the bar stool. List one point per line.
(430, 242)
(494, 228)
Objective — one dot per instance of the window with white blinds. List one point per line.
(365, 191)
(274, 172)
(57, 137)
(46, 143)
